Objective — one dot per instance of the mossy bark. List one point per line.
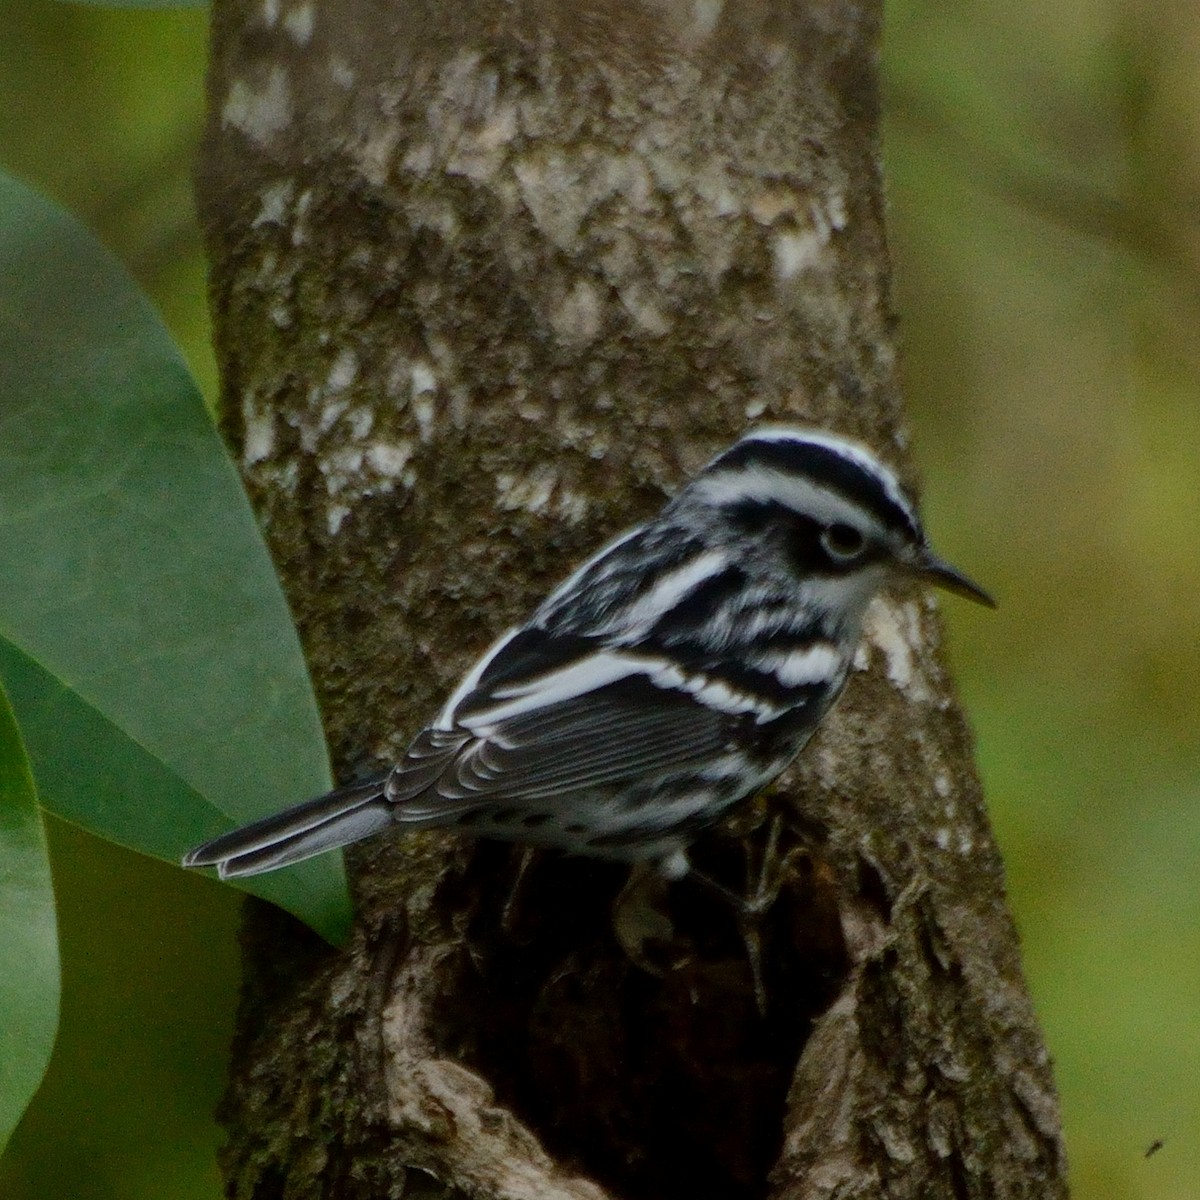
(489, 279)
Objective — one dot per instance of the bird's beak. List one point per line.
(940, 573)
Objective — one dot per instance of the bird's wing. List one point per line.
(550, 720)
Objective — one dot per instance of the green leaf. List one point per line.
(107, 793)
(29, 983)
(131, 569)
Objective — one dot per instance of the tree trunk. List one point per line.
(489, 279)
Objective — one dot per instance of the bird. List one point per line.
(670, 677)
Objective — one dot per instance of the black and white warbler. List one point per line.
(675, 673)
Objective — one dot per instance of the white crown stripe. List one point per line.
(851, 451)
(766, 485)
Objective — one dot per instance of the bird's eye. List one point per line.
(842, 542)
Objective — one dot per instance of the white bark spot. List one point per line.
(260, 114)
(423, 389)
(895, 630)
(571, 506)
(389, 458)
(273, 203)
(638, 302)
(335, 516)
(886, 633)
(300, 216)
(550, 191)
(260, 436)
(342, 73)
(835, 211)
(418, 158)
(343, 372)
(479, 152)
(796, 251)
(803, 227)
(375, 154)
(424, 411)
(300, 23)
(340, 466)
(705, 15)
(767, 206)
(530, 492)
(360, 421)
(330, 415)
(577, 318)
(560, 190)
(422, 378)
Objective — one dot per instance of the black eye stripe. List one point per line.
(807, 546)
(752, 515)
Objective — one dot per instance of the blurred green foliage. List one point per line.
(1044, 171)
(102, 112)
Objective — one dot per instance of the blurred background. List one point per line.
(1044, 176)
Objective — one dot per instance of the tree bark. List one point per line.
(489, 279)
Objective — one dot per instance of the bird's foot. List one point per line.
(765, 876)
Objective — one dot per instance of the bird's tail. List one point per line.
(336, 819)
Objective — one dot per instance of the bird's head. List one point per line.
(826, 511)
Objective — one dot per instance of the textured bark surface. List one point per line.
(489, 279)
